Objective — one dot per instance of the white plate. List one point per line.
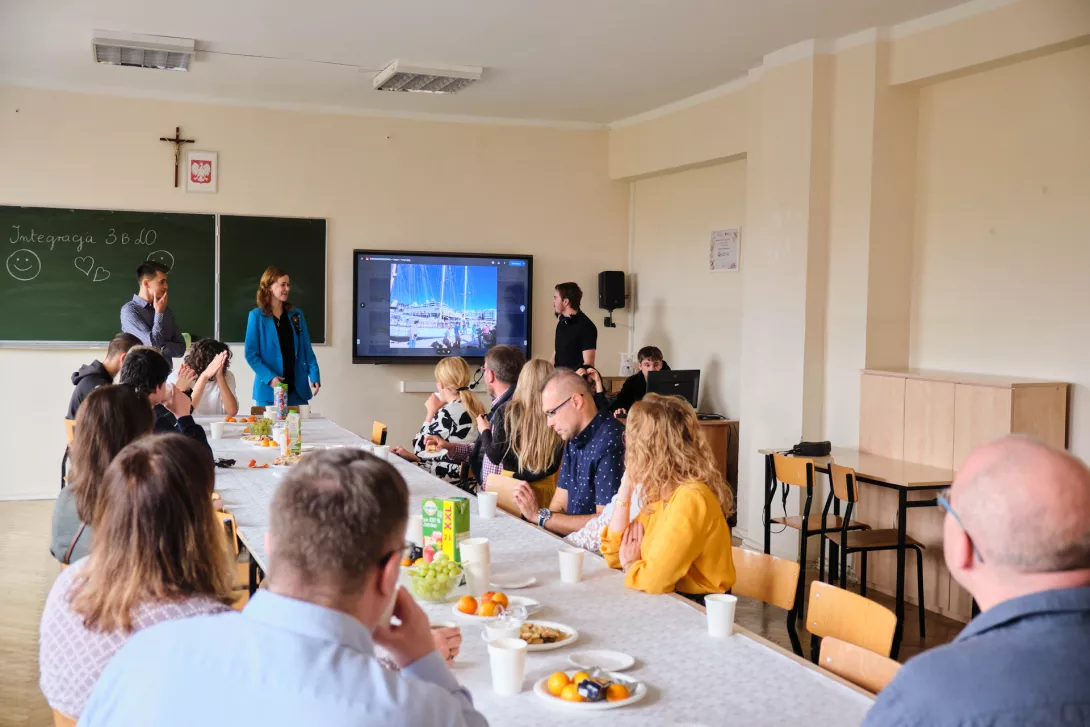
(512, 582)
(601, 659)
(432, 455)
(541, 690)
(319, 447)
(572, 636)
(529, 604)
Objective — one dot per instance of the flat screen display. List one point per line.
(422, 306)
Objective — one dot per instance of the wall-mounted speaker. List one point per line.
(611, 289)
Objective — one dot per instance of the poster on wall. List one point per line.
(724, 251)
(202, 171)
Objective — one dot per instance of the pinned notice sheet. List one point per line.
(724, 251)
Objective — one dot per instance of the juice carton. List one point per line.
(446, 524)
(295, 432)
(280, 400)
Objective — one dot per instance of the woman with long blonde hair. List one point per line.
(158, 554)
(680, 541)
(522, 440)
(452, 413)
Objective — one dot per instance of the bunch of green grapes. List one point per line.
(261, 426)
(434, 581)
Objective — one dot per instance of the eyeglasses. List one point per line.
(550, 413)
(944, 502)
(403, 552)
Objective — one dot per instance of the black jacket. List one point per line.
(632, 390)
(165, 423)
(86, 380)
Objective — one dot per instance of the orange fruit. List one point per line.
(616, 692)
(467, 604)
(557, 682)
(499, 599)
(487, 596)
(579, 677)
(571, 693)
(406, 562)
(487, 608)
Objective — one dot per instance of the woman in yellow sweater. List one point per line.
(680, 541)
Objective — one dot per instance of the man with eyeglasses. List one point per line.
(593, 461)
(1017, 537)
(302, 652)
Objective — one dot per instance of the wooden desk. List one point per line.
(885, 472)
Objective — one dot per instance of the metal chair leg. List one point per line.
(815, 648)
(793, 633)
(802, 571)
(863, 573)
(919, 591)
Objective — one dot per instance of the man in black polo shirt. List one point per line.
(576, 335)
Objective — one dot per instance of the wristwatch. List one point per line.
(543, 515)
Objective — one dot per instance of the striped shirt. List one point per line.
(157, 330)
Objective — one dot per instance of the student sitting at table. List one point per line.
(159, 554)
(452, 412)
(146, 372)
(635, 386)
(521, 440)
(590, 536)
(100, 373)
(207, 365)
(680, 541)
(110, 418)
(302, 652)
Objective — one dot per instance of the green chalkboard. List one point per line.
(248, 245)
(67, 272)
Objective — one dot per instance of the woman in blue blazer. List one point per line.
(278, 344)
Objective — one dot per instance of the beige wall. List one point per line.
(1002, 218)
(692, 314)
(380, 183)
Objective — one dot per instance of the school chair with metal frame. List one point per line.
(845, 489)
(770, 580)
(378, 433)
(849, 617)
(860, 667)
(799, 472)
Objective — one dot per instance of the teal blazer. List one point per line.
(263, 355)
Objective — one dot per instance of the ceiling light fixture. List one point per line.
(142, 51)
(439, 78)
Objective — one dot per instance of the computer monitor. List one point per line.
(676, 382)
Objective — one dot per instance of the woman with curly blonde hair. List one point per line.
(680, 541)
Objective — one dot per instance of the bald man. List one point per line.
(593, 462)
(1017, 537)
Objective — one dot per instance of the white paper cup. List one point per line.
(571, 564)
(486, 504)
(720, 608)
(502, 629)
(217, 430)
(304, 411)
(381, 451)
(414, 531)
(507, 658)
(477, 564)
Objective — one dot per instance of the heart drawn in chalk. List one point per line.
(84, 264)
(101, 274)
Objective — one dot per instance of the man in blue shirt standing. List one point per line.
(302, 652)
(1017, 537)
(147, 317)
(593, 463)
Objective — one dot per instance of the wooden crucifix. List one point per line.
(177, 141)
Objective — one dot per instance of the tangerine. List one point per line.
(571, 693)
(579, 677)
(467, 604)
(557, 682)
(616, 692)
(487, 596)
(500, 599)
(487, 608)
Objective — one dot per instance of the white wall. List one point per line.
(1001, 280)
(383, 183)
(692, 314)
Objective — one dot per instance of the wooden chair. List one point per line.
(504, 486)
(859, 666)
(70, 429)
(771, 580)
(60, 719)
(378, 433)
(848, 541)
(799, 472)
(69, 432)
(256, 411)
(849, 617)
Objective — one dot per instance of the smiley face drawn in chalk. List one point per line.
(24, 265)
(163, 257)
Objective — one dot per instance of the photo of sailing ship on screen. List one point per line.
(449, 308)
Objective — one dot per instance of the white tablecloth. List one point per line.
(692, 678)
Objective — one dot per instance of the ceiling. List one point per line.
(590, 61)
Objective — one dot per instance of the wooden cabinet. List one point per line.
(938, 418)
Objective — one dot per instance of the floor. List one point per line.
(27, 571)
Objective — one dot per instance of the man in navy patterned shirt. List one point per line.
(590, 473)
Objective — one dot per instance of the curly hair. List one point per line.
(666, 449)
(203, 351)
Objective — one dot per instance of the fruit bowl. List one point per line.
(434, 581)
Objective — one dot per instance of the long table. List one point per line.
(691, 678)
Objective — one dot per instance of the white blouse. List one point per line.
(211, 403)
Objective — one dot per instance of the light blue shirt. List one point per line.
(279, 662)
